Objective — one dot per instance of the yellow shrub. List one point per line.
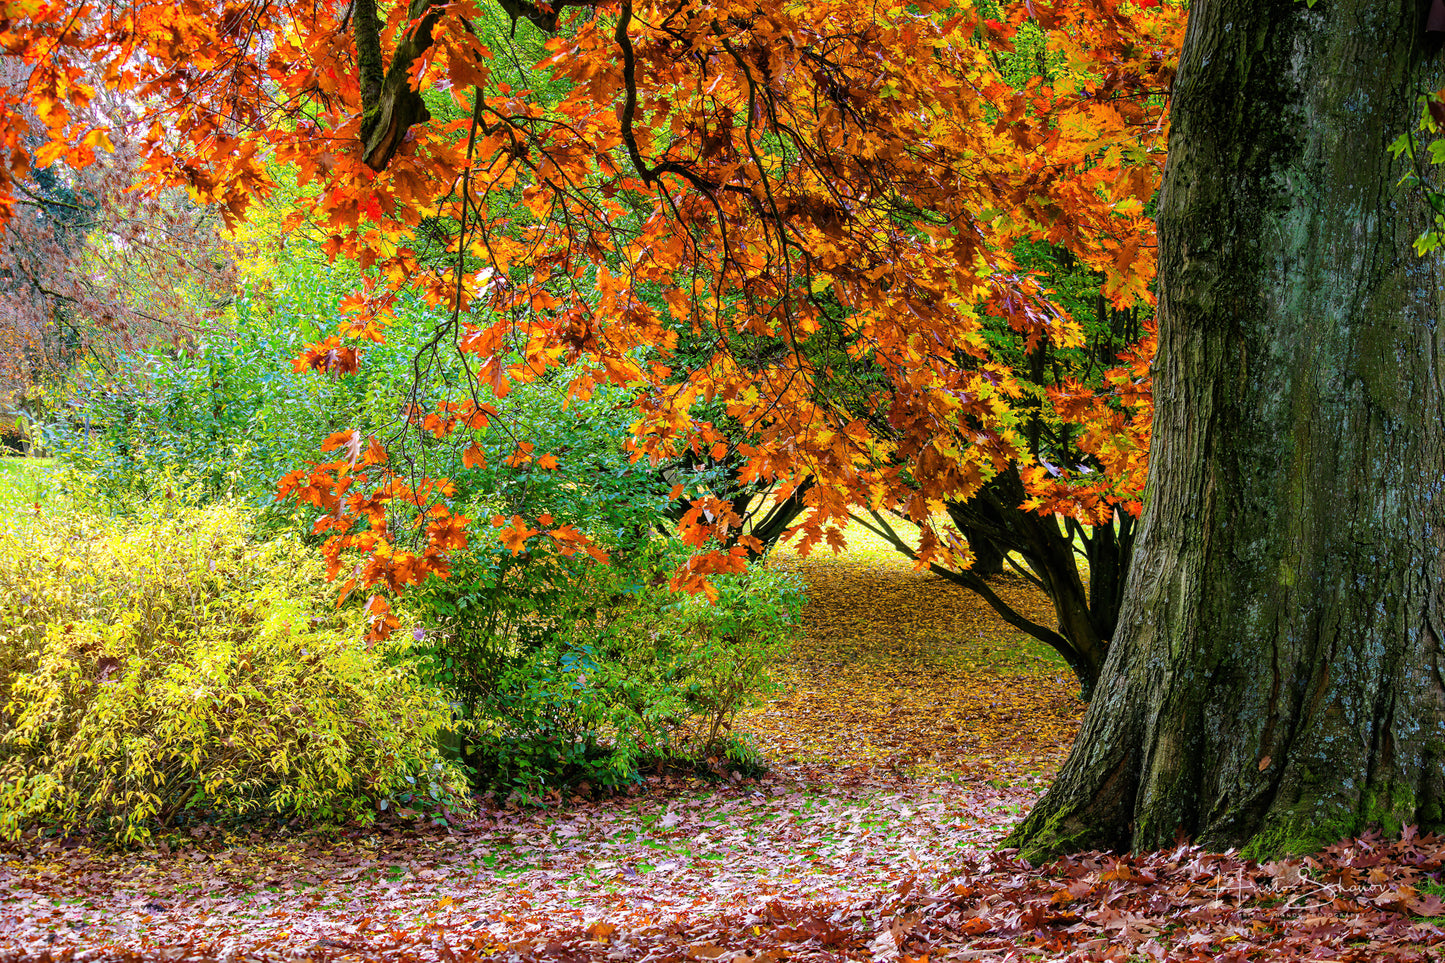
(167, 670)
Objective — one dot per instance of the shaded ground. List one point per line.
(917, 730)
(905, 671)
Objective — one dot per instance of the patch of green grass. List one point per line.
(26, 482)
(1432, 888)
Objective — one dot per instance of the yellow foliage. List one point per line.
(157, 672)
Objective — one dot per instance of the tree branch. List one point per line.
(389, 105)
(41, 200)
(979, 587)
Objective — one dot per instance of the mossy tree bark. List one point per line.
(1276, 678)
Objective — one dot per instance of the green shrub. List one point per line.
(223, 423)
(499, 606)
(226, 418)
(704, 658)
(171, 670)
(24, 483)
(652, 678)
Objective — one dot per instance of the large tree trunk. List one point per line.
(1276, 679)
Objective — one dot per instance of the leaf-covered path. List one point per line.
(904, 690)
(906, 672)
(916, 730)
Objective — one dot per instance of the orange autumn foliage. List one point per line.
(824, 194)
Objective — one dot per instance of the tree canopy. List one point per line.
(791, 229)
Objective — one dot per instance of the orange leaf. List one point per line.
(514, 536)
(350, 440)
(99, 139)
(521, 456)
(375, 453)
(50, 153)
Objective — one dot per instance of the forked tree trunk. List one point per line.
(1086, 603)
(1276, 679)
(1048, 550)
(988, 558)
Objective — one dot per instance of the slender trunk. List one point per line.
(1048, 553)
(1276, 680)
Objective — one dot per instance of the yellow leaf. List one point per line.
(98, 139)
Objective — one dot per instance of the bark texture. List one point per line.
(390, 105)
(1276, 678)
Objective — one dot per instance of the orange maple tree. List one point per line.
(824, 195)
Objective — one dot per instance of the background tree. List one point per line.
(1276, 680)
(1062, 517)
(90, 267)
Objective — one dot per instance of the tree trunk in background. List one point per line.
(1276, 678)
(1046, 547)
(988, 558)
(1086, 603)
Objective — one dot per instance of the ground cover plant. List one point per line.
(870, 838)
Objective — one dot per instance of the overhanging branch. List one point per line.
(389, 105)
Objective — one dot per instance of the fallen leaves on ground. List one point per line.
(729, 878)
(653, 864)
(907, 671)
(872, 844)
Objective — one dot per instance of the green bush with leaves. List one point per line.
(498, 604)
(172, 670)
(569, 668)
(228, 416)
(653, 677)
(223, 421)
